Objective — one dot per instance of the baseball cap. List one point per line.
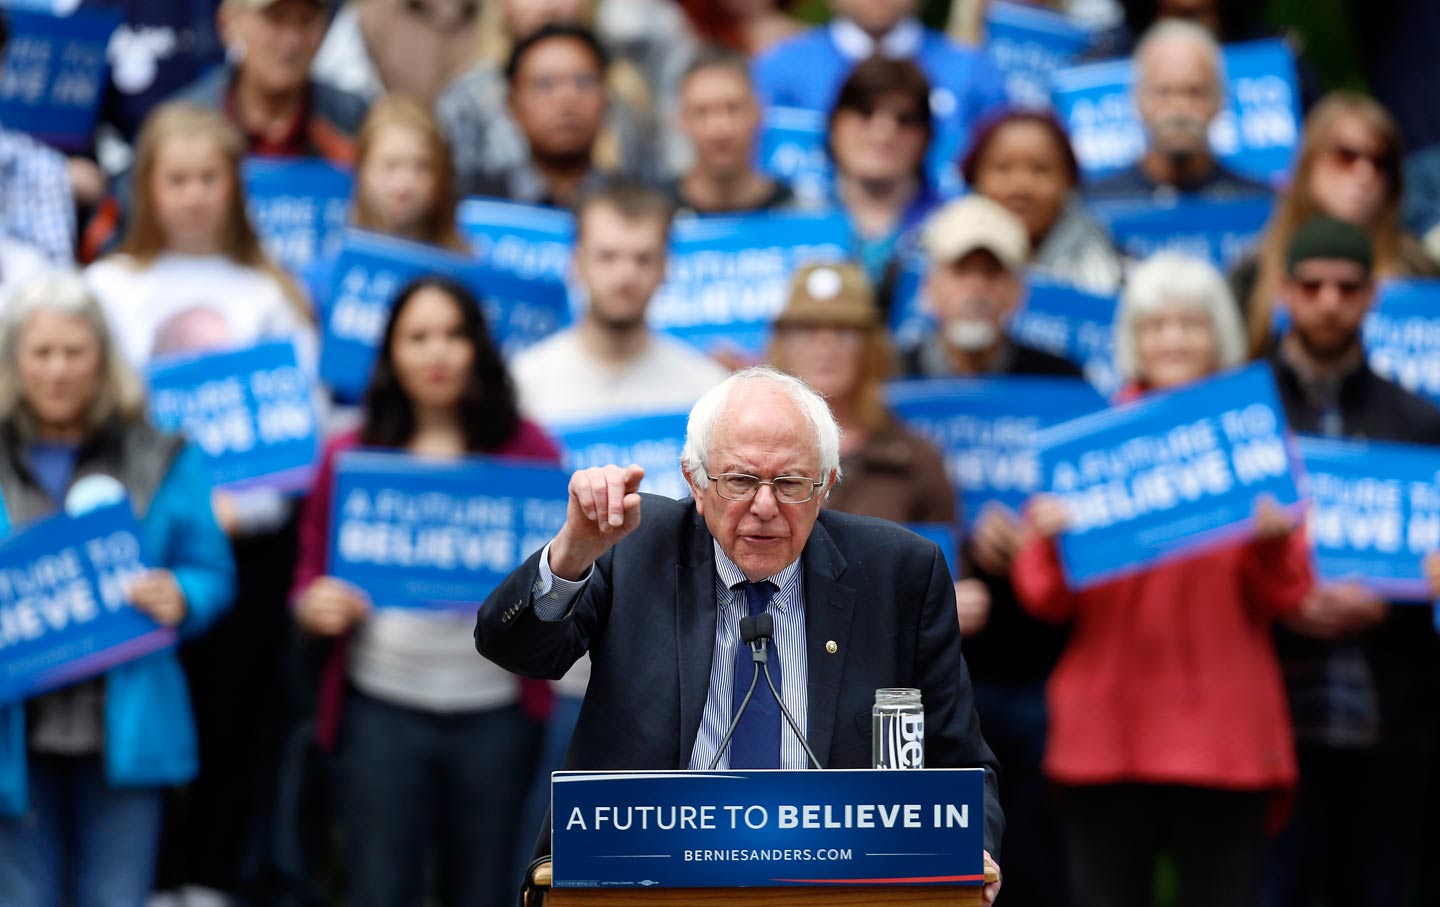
(1323, 236)
(830, 294)
(975, 222)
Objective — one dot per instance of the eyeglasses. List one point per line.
(1311, 286)
(737, 486)
(1349, 157)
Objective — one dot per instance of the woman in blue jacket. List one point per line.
(83, 768)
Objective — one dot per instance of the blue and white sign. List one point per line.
(527, 241)
(250, 411)
(63, 610)
(54, 74)
(1376, 513)
(793, 148)
(768, 828)
(370, 271)
(943, 535)
(1255, 134)
(1074, 324)
(985, 428)
(1402, 335)
(729, 277)
(1217, 231)
(421, 533)
(1168, 475)
(653, 442)
(299, 207)
(1030, 45)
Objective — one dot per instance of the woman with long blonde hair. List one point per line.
(403, 182)
(1350, 167)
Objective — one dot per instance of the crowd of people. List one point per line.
(1229, 728)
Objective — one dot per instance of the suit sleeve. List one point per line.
(511, 634)
(953, 737)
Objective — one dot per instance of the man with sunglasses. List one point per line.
(654, 589)
(1361, 675)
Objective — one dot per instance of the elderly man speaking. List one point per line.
(654, 589)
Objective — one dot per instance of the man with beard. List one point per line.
(1361, 673)
(1179, 90)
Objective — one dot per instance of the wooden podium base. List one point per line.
(908, 896)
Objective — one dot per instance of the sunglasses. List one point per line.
(1348, 158)
(1311, 286)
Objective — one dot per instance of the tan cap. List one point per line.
(976, 222)
(830, 294)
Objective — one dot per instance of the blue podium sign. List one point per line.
(985, 428)
(1255, 134)
(63, 612)
(1168, 475)
(1030, 44)
(729, 276)
(299, 207)
(650, 441)
(1376, 513)
(54, 74)
(420, 533)
(250, 411)
(741, 829)
(1402, 335)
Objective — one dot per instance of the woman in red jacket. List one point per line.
(435, 748)
(1168, 723)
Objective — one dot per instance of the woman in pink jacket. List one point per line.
(1169, 730)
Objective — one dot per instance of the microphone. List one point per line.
(748, 635)
(765, 629)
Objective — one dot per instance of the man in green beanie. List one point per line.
(1361, 674)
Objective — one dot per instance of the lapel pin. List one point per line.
(831, 647)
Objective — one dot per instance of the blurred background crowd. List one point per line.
(1227, 729)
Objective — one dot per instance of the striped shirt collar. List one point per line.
(731, 575)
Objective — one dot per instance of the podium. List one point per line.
(769, 838)
(902, 896)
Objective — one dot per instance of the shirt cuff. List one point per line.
(552, 596)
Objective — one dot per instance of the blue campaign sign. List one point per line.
(1255, 134)
(1030, 44)
(735, 829)
(54, 72)
(299, 207)
(1074, 324)
(63, 613)
(529, 242)
(1375, 513)
(651, 441)
(1402, 335)
(730, 276)
(421, 533)
(985, 428)
(1218, 231)
(1168, 475)
(250, 411)
(792, 148)
(371, 269)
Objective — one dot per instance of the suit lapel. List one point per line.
(695, 616)
(829, 611)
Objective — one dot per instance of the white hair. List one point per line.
(1173, 277)
(66, 293)
(708, 410)
(1168, 30)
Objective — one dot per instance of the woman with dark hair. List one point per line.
(434, 745)
(880, 129)
(1023, 160)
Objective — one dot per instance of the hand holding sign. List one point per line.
(158, 594)
(1271, 520)
(1432, 573)
(1047, 515)
(604, 507)
(996, 539)
(1336, 610)
(330, 607)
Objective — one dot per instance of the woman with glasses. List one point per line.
(880, 130)
(1169, 730)
(1350, 168)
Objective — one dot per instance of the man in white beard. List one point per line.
(1179, 90)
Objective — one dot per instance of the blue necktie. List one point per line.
(756, 743)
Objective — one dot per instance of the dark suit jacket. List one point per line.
(647, 616)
